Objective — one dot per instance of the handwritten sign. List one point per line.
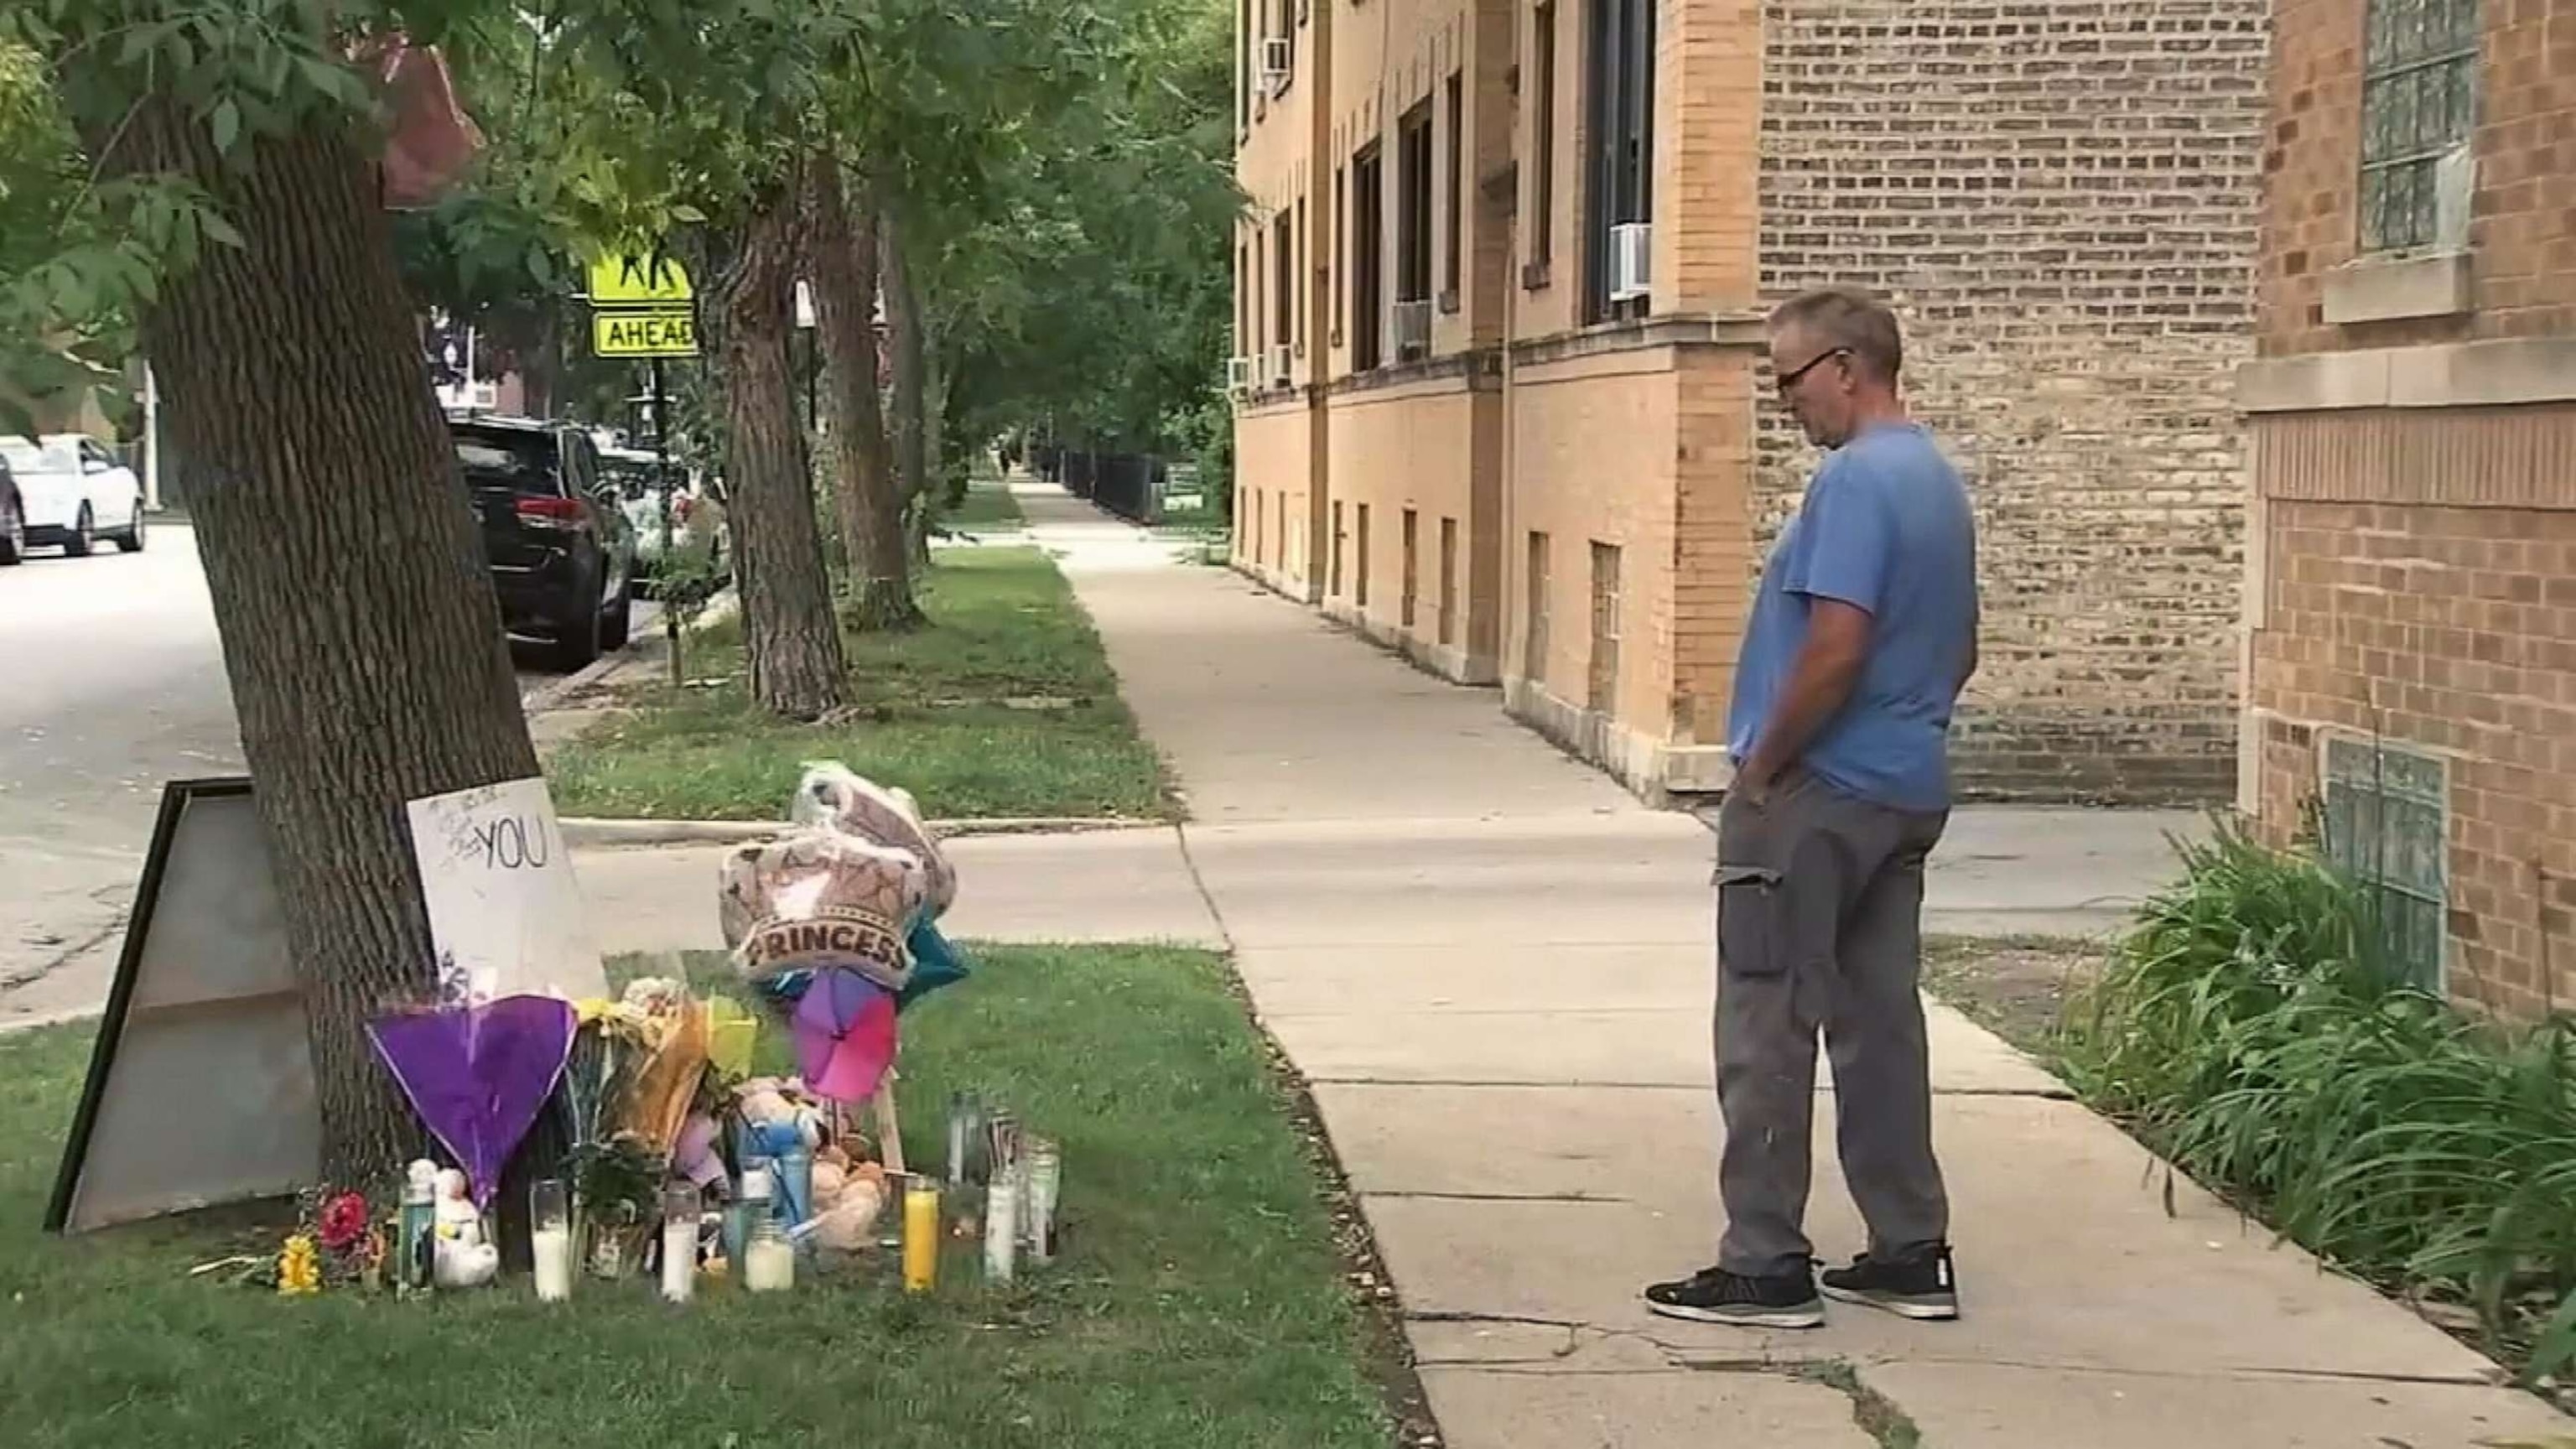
(504, 907)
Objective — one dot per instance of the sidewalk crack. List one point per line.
(1198, 882)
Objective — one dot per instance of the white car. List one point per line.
(69, 492)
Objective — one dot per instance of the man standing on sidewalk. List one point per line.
(1862, 635)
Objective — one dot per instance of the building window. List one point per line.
(1602, 687)
(1361, 582)
(1242, 300)
(1279, 539)
(1621, 164)
(1368, 247)
(1341, 271)
(1257, 514)
(1412, 566)
(1334, 584)
(1542, 226)
(1413, 205)
(1298, 283)
(1448, 580)
(1260, 318)
(2418, 106)
(1534, 645)
(1455, 125)
(2387, 824)
(1243, 79)
(1283, 281)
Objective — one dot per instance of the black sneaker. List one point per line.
(1924, 1286)
(1712, 1295)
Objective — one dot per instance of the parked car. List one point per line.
(636, 476)
(70, 491)
(13, 517)
(561, 551)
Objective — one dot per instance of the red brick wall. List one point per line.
(2452, 630)
(2523, 235)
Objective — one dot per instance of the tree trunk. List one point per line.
(904, 321)
(790, 635)
(359, 629)
(867, 501)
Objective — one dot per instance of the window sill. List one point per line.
(2398, 288)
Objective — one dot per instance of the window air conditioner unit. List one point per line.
(1282, 359)
(1238, 374)
(1276, 55)
(1413, 328)
(1632, 260)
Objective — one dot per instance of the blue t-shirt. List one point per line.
(1885, 527)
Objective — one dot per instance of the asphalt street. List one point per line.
(111, 684)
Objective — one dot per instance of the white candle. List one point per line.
(679, 1259)
(769, 1265)
(553, 1249)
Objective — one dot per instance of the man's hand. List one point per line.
(1829, 664)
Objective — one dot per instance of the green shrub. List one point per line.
(2253, 1030)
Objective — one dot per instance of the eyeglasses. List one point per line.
(1789, 380)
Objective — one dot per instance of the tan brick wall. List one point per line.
(1273, 465)
(2060, 200)
(1416, 447)
(2523, 234)
(2453, 630)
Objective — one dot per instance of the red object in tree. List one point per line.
(432, 140)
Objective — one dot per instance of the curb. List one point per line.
(43, 1019)
(597, 833)
(550, 698)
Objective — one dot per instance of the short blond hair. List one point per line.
(1851, 319)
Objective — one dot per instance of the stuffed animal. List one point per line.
(463, 1259)
(847, 1204)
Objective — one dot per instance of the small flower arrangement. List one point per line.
(336, 1243)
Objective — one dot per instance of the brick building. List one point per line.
(2411, 583)
(1503, 403)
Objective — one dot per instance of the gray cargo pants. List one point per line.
(1820, 905)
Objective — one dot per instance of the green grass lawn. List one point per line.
(988, 504)
(1004, 705)
(1198, 1300)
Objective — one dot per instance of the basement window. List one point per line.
(2388, 825)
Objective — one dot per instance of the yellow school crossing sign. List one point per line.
(633, 281)
(644, 332)
(642, 306)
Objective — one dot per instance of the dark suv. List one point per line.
(562, 554)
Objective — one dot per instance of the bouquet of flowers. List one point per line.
(336, 1243)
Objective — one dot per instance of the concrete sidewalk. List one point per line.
(1494, 967)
